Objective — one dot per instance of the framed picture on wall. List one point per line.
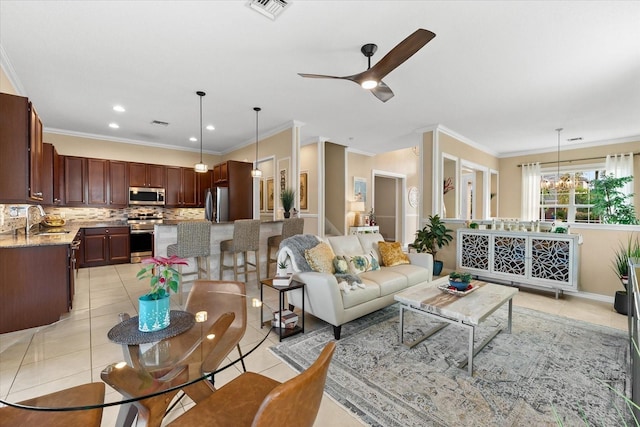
(359, 189)
(269, 194)
(283, 179)
(303, 191)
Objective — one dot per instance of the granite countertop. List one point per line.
(21, 240)
(177, 221)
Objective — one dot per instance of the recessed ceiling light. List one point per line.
(114, 125)
(193, 139)
(210, 127)
(119, 108)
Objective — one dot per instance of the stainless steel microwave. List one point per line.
(146, 196)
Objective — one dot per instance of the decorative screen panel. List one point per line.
(509, 255)
(550, 259)
(475, 251)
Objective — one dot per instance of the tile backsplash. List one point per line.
(9, 223)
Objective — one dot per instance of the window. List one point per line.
(567, 196)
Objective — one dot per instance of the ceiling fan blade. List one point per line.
(382, 92)
(319, 76)
(403, 51)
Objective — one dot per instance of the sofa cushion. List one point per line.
(369, 243)
(340, 265)
(361, 263)
(320, 258)
(388, 280)
(414, 273)
(359, 296)
(346, 245)
(392, 254)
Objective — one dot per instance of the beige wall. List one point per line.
(309, 165)
(335, 189)
(5, 84)
(427, 174)
(511, 174)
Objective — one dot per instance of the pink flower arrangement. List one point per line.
(164, 276)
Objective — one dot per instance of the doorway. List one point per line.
(387, 204)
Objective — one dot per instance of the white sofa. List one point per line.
(325, 300)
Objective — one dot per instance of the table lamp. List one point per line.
(357, 207)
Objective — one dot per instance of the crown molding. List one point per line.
(10, 72)
(575, 146)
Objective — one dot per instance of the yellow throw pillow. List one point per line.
(391, 253)
(320, 258)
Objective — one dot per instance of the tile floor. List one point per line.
(77, 348)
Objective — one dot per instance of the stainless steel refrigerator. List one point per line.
(221, 204)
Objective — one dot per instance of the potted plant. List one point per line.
(620, 266)
(609, 203)
(431, 238)
(287, 197)
(153, 307)
(460, 281)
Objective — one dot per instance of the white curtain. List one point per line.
(530, 195)
(621, 165)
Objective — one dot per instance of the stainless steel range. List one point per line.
(141, 235)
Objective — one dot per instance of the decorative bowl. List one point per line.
(461, 286)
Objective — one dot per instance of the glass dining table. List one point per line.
(217, 329)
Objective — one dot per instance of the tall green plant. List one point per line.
(620, 262)
(433, 236)
(287, 197)
(610, 204)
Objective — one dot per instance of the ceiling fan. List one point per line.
(372, 78)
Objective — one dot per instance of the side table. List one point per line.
(282, 290)
(364, 229)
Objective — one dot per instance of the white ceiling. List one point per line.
(501, 74)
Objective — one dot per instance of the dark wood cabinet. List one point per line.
(205, 180)
(75, 181)
(236, 176)
(95, 182)
(146, 175)
(22, 153)
(180, 187)
(220, 174)
(105, 245)
(35, 287)
(118, 184)
(52, 168)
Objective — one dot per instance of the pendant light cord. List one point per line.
(200, 94)
(257, 110)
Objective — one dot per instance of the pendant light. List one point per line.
(256, 173)
(201, 167)
(562, 184)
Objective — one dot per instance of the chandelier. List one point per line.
(561, 182)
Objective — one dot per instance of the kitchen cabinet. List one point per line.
(205, 180)
(240, 185)
(95, 182)
(146, 175)
(220, 174)
(105, 246)
(52, 169)
(34, 284)
(539, 259)
(22, 152)
(181, 187)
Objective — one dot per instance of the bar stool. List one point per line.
(290, 227)
(246, 238)
(194, 241)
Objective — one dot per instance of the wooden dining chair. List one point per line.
(82, 395)
(255, 400)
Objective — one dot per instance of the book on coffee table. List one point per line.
(282, 281)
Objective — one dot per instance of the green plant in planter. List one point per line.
(620, 262)
(433, 236)
(287, 197)
(460, 277)
(609, 203)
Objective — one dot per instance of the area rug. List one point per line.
(549, 371)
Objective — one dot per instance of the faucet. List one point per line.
(27, 228)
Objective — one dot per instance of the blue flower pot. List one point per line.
(153, 314)
(461, 286)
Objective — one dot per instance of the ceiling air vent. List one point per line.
(159, 123)
(269, 8)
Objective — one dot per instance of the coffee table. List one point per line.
(466, 311)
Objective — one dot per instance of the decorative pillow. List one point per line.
(320, 258)
(361, 263)
(340, 265)
(391, 253)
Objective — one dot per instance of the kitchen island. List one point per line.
(167, 233)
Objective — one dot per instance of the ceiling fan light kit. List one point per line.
(371, 79)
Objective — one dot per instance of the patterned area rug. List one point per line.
(549, 371)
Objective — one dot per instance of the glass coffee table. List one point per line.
(466, 311)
